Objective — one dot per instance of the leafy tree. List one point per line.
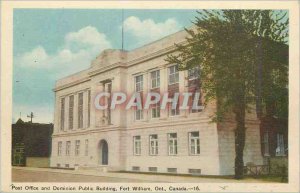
(240, 54)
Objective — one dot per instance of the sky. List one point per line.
(50, 44)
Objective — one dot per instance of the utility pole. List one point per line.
(30, 116)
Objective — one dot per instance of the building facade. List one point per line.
(152, 140)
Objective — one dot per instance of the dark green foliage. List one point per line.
(243, 57)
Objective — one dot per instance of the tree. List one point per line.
(232, 50)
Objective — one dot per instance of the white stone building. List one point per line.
(178, 141)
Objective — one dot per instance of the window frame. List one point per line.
(71, 112)
(80, 110)
(195, 144)
(140, 83)
(194, 71)
(59, 148)
(137, 147)
(68, 148)
(175, 74)
(280, 144)
(155, 78)
(62, 113)
(156, 108)
(77, 147)
(174, 145)
(155, 145)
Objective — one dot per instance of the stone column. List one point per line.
(181, 90)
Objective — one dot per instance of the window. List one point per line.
(280, 145)
(155, 110)
(80, 110)
(59, 148)
(139, 83)
(173, 74)
(86, 152)
(195, 171)
(108, 87)
(194, 143)
(152, 169)
(172, 143)
(71, 111)
(89, 109)
(62, 114)
(175, 111)
(266, 143)
(139, 114)
(67, 165)
(77, 147)
(137, 145)
(68, 146)
(155, 79)
(153, 145)
(172, 170)
(135, 168)
(194, 73)
(198, 103)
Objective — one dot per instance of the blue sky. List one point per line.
(52, 43)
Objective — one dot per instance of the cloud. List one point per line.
(147, 30)
(75, 54)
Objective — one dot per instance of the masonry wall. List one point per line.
(252, 150)
(207, 160)
(93, 158)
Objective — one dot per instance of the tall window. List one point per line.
(137, 145)
(175, 111)
(194, 73)
(108, 111)
(59, 148)
(198, 102)
(280, 145)
(62, 114)
(139, 88)
(173, 74)
(266, 143)
(77, 147)
(153, 145)
(139, 114)
(194, 143)
(172, 143)
(139, 83)
(86, 150)
(80, 110)
(155, 79)
(71, 111)
(68, 147)
(89, 108)
(155, 110)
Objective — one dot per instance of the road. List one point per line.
(19, 175)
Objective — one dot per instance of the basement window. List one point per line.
(135, 168)
(152, 169)
(172, 170)
(195, 171)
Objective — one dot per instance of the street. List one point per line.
(28, 174)
(20, 175)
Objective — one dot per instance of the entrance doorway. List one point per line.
(103, 152)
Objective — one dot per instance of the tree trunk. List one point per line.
(239, 136)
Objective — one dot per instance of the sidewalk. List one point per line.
(146, 177)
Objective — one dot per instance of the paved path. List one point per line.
(27, 174)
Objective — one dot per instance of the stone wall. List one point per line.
(38, 162)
